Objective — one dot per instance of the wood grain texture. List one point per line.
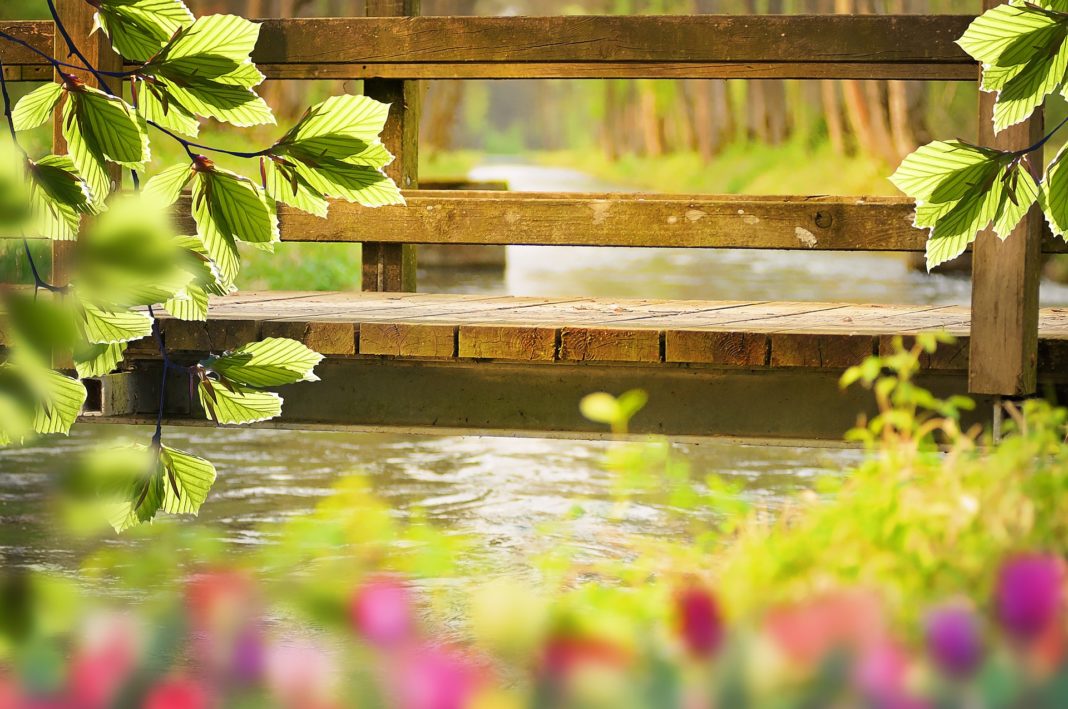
(508, 342)
(408, 340)
(1005, 278)
(392, 266)
(585, 344)
(703, 46)
(754, 335)
(817, 223)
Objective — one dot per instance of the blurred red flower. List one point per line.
(700, 624)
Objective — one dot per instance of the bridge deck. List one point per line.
(503, 364)
(730, 333)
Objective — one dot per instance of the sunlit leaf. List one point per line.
(271, 362)
(103, 326)
(35, 108)
(167, 185)
(237, 407)
(187, 481)
(98, 359)
(139, 28)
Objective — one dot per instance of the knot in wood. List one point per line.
(824, 219)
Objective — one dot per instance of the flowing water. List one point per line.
(501, 489)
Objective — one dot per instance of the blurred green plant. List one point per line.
(129, 261)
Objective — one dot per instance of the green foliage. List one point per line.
(961, 189)
(186, 69)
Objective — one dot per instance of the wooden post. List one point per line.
(1005, 277)
(77, 16)
(391, 267)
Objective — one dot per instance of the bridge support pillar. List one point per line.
(1005, 276)
(390, 266)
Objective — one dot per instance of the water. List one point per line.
(501, 489)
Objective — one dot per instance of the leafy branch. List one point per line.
(962, 189)
(186, 70)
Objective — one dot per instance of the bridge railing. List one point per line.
(394, 49)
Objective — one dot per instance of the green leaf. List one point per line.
(99, 359)
(239, 207)
(110, 126)
(87, 158)
(1020, 95)
(167, 186)
(225, 36)
(284, 184)
(353, 183)
(1021, 192)
(225, 406)
(103, 326)
(187, 481)
(958, 228)
(1000, 35)
(944, 171)
(216, 235)
(236, 105)
(36, 107)
(193, 306)
(271, 362)
(139, 28)
(156, 104)
(143, 497)
(1053, 195)
(341, 125)
(60, 400)
(58, 198)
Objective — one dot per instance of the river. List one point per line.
(500, 489)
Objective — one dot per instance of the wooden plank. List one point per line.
(408, 340)
(392, 266)
(800, 223)
(510, 342)
(487, 398)
(327, 338)
(738, 349)
(704, 46)
(819, 350)
(587, 344)
(1005, 278)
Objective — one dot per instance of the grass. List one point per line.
(748, 168)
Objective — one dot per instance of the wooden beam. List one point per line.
(705, 46)
(798, 223)
(77, 17)
(495, 398)
(391, 266)
(1005, 279)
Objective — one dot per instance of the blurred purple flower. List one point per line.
(249, 655)
(699, 621)
(1029, 594)
(381, 611)
(955, 640)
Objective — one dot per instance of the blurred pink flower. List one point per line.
(881, 677)
(178, 693)
(806, 632)
(1028, 594)
(302, 674)
(565, 653)
(955, 640)
(699, 622)
(381, 611)
(103, 662)
(435, 678)
(219, 598)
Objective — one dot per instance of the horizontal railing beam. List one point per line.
(672, 46)
(620, 219)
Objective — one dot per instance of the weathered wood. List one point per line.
(624, 332)
(492, 398)
(738, 349)
(584, 344)
(817, 223)
(705, 46)
(508, 342)
(1005, 278)
(392, 266)
(77, 17)
(408, 340)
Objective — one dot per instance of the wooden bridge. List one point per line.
(480, 364)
